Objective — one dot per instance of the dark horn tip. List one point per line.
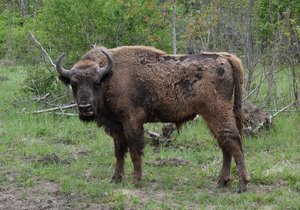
(108, 68)
(63, 72)
(60, 58)
(105, 51)
(108, 55)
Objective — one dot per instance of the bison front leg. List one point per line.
(120, 151)
(134, 134)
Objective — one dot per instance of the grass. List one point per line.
(78, 159)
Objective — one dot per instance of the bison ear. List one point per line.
(65, 80)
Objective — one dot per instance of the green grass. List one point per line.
(79, 158)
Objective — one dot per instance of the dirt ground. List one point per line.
(44, 195)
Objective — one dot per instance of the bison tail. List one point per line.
(238, 90)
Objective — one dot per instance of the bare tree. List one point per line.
(23, 7)
(295, 49)
(249, 46)
(174, 27)
(271, 74)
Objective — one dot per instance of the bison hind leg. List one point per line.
(120, 152)
(225, 175)
(226, 132)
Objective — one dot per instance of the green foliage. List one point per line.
(273, 14)
(201, 22)
(3, 35)
(73, 26)
(40, 80)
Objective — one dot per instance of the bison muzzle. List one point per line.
(123, 88)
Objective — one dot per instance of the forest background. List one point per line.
(265, 34)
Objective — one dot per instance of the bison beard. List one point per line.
(123, 88)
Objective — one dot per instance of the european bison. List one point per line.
(123, 88)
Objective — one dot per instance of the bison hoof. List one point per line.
(243, 186)
(224, 182)
(116, 178)
(137, 182)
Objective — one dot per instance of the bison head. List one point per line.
(87, 81)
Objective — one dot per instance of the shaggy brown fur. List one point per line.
(147, 85)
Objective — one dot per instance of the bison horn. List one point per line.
(108, 68)
(63, 72)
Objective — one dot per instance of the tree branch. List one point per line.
(284, 108)
(253, 91)
(41, 98)
(44, 51)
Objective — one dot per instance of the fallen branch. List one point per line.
(284, 108)
(54, 109)
(66, 114)
(57, 98)
(273, 116)
(153, 135)
(38, 99)
(283, 111)
(157, 139)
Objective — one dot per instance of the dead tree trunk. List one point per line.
(249, 47)
(271, 79)
(271, 75)
(296, 88)
(295, 45)
(23, 7)
(174, 28)
(295, 57)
